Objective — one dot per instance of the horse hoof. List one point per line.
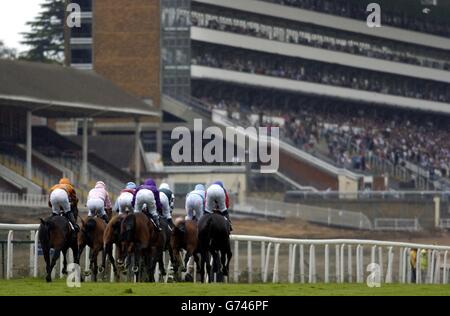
(101, 270)
(188, 278)
(48, 279)
(87, 273)
(184, 270)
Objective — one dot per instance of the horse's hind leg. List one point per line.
(46, 252)
(64, 253)
(55, 258)
(94, 267)
(226, 267)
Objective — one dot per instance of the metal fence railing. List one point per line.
(397, 224)
(268, 259)
(412, 196)
(25, 200)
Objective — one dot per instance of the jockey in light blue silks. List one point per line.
(147, 195)
(195, 203)
(125, 199)
(218, 195)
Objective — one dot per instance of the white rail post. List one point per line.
(361, 263)
(338, 263)
(266, 265)
(358, 266)
(236, 261)
(302, 263)
(9, 255)
(418, 267)
(342, 264)
(406, 266)
(373, 254)
(249, 262)
(389, 266)
(294, 248)
(437, 268)
(36, 254)
(430, 268)
(87, 251)
(444, 273)
(380, 260)
(276, 261)
(350, 264)
(327, 264)
(32, 234)
(312, 264)
(263, 250)
(400, 265)
(61, 266)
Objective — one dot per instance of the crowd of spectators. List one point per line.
(353, 136)
(358, 11)
(374, 48)
(312, 71)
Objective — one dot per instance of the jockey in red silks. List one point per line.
(218, 195)
(98, 200)
(147, 195)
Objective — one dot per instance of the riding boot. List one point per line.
(156, 221)
(105, 218)
(227, 216)
(73, 221)
(170, 222)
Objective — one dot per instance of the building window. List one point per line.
(81, 56)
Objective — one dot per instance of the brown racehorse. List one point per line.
(56, 232)
(140, 240)
(184, 238)
(111, 237)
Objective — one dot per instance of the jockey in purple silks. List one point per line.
(147, 195)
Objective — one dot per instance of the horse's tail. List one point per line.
(128, 227)
(88, 231)
(44, 232)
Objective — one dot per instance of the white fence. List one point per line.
(397, 224)
(308, 261)
(26, 200)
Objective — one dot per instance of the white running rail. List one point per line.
(307, 260)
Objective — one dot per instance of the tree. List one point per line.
(7, 53)
(46, 37)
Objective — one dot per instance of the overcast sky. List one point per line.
(13, 16)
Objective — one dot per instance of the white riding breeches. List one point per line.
(96, 206)
(145, 198)
(166, 210)
(124, 202)
(194, 206)
(60, 201)
(215, 195)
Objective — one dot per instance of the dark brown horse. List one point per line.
(56, 233)
(111, 237)
(185, 236)
(138, 235)
(214, 239)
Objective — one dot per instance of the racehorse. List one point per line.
(91, 234)
(214, 238)
(185, 236)
(137, 234)
(56, 232)
(111, 236)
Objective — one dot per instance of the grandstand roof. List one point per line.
(57, 91)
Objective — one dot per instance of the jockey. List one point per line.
(195, 203)
(217, 193)
(147, 195)
(167, 201)
(98, 200)
(125, 198)
(62, 196)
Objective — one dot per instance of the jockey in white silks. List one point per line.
(217, 195)
(195, 203)
(167, 202)
(125, 199)
(98, 200)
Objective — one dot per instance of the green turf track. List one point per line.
(32, 287)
